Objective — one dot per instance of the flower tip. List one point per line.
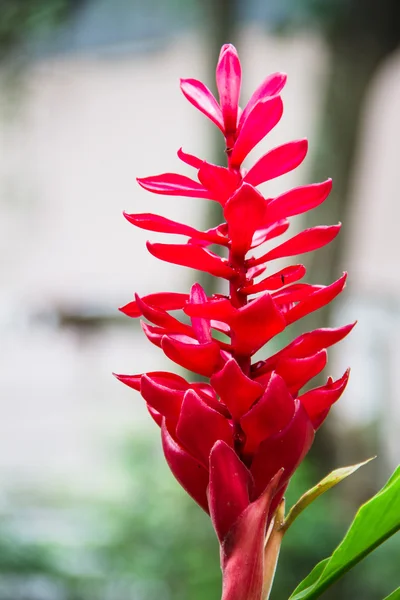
(227, 48)
(127, 216)
(276, 479)
(141, 181)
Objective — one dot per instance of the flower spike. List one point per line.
(234, 441)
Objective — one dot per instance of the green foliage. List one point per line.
(374, 523)
(394, 596)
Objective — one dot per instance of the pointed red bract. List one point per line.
(318, 401)
(220, 182)
(199, 427)
(263, 117)
(200, 96)
(189, 159)
(271, 86)
(164, 300)
(277, 161)
(235, 389)
(204, 359)
(171, 184)
(277, 280)
(229, 489)
(242, 550)
(228, 76)
(244, 211)
(164, 394)
(284, 450)
(194, 257)
(306, 241)
(192, 476)
(299, 200)
(269, 415)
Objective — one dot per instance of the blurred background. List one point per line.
(89, 100)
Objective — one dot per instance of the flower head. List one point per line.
(234, 441)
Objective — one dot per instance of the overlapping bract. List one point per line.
(234, 442)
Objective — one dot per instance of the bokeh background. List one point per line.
(89, 100)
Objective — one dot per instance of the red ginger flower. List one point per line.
(234, 442)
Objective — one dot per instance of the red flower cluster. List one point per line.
(233, 443)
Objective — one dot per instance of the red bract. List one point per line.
(234, 441)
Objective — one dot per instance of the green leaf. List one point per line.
(394, 595)
(375, 522)
(323, 486)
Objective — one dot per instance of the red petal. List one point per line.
(132, 381)
(264, 116)
(294, 293)
(172, 184)
(192, 476)
(277, 280)
(208, 395)
(242, 551)
(204, 359)
(298, 371)
(164, 393)
(157, 418)
(318, 401)
(284, 450)
(316, 300)
(200, 96)
(228, 78)
(299, 200)
(189, 159)
(255, 324)
(153, 334)
(269, 415)
(195, 257)
(305, 241)
(201, 327)
(307, 344)
(254, 272)
(244, 212)
(220, 309)
(220, 182)
(236, 391)
(199, 427)
(277, 161)
(212, 236)
(228, 491)
(161, 318)
(152, 222)
(164, 300)
(268, 233)
(271, 86)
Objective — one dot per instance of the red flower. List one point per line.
(234, 442)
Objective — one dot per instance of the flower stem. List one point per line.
(272, 548)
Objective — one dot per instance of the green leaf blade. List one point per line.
(394, 595)
(323, 486)
(375, 522)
